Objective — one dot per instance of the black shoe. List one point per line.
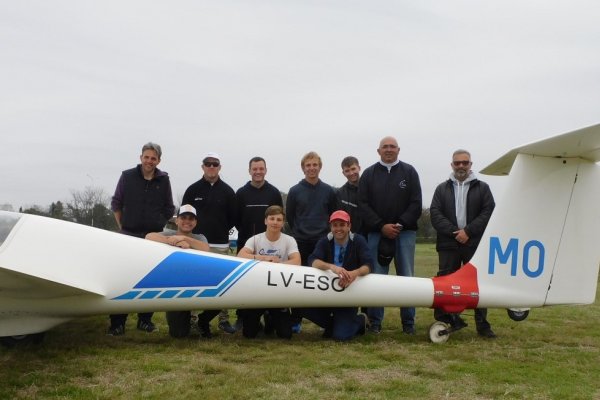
(376, 329)
(205, 331)
(487, 333)
(408, 329)
(458, 323)
(146, 326)
(116, 330)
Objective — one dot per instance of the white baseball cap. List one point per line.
(187, 209)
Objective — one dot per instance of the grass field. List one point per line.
(554, 354)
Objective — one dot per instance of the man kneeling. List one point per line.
(347, 255)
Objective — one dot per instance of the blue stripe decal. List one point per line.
(150, 294)
(168, 294)
(129, 295)
(187, 294)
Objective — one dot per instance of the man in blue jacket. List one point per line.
(346, 255)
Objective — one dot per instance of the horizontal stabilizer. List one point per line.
(582, 143)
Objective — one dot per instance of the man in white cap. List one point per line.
(184, 238)
(214, 201)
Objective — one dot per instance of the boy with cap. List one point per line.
(347, 256)
(183, 237)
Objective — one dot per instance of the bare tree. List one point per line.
(90, 207)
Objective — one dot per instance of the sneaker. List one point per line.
(147, 326)
(116, 330)
(205, 331)
(226, 327)
(408, 329)
(376, 329)
(487, 333)
(297, 328)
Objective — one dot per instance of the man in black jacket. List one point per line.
(142, 203)
(460, 211)
(390, 203)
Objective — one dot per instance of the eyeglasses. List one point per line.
(459, 163)
(211, 164)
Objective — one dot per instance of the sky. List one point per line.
(84, 84)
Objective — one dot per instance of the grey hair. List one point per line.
(461, 151)
(152, 146)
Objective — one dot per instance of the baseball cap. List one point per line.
(341, 215)
(186, 209)
(212, 154)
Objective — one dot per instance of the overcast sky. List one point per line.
(84, 84)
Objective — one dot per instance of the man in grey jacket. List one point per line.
(460, 211)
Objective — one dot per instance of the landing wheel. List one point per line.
(518, 314)
(20, 340)
(439, 332)
(179, 323)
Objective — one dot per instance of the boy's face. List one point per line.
(352, 173)
(311, 168)
(186, 223)
(275, 222)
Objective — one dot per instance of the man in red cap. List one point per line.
(347, 256)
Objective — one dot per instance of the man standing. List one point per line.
(348, 194)
(142, 203)
(391, 203)
(346, 255)
(214, 201)
(252, 200)
(308, 206)
(460, 211)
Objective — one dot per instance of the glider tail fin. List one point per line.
(542, 244)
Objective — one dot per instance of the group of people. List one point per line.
(352, 231)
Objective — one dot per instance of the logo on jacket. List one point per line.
(403, 184)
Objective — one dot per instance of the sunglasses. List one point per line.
(211, 164)
(458, 163)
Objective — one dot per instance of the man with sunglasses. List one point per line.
(460, 211)
(214, 201)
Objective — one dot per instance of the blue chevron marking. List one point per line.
(150, 294)
(218, 291)
(186, 294)
(169, 294)
(186, 270)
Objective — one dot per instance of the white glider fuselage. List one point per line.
(540, 248)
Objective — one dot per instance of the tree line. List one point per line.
(91, 206)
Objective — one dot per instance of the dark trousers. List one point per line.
(205, 317)
(120, 319)
(305, 248)
(342, 323)
(450, 261)
(278, 318)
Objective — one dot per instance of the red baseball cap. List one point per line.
(341, 215)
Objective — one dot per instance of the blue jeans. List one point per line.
(343, 322)
(404, 261)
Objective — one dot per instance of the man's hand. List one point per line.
(391, 231)
(461, 236)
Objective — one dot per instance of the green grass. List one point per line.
(554, 354)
